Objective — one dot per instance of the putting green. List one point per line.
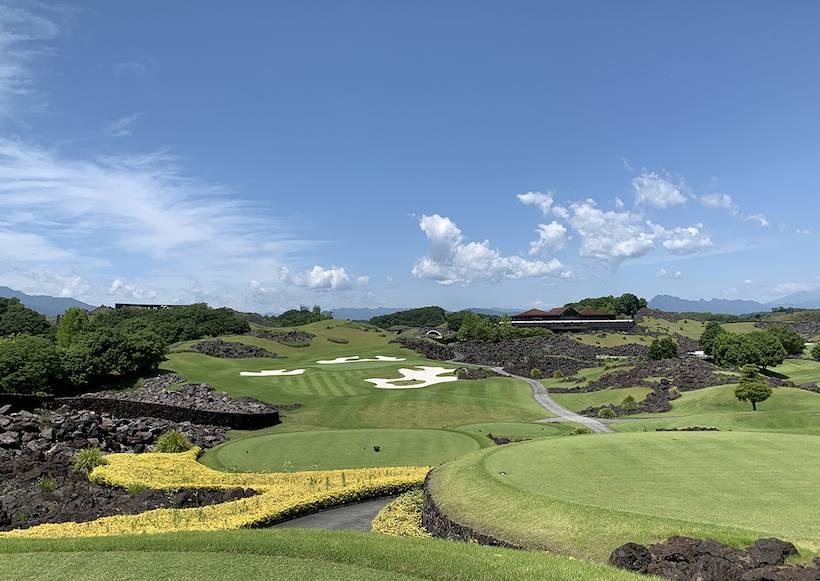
(586, 495)
(331, 449)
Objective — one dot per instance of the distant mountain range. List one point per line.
(355, 314)
(44, 304)
(799, 300)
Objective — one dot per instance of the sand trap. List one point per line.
(271, 372)
(425, 376)
(357, 359)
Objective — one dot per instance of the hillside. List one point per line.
(44, 304)
(674, 304)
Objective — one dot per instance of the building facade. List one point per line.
(570, 319)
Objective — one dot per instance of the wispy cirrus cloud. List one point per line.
(725, 202)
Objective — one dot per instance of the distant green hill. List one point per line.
(44, 304)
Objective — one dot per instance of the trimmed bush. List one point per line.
(629, 404)
(402, 517)
(89, 458)
(606, 413)
(173, 442)
(535, 373)
(557, 374)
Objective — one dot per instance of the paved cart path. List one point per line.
(540, 395)
(353, 517)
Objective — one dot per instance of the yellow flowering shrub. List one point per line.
(402, 517)
(282, 495)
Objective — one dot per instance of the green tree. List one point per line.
(106, 353)
(29, 364)
(792, 342)
(629, 403)
(815, 351)
(71, 326)
(752, 387)
(733, 350)
(710, 333)
(629, 304)
(771, 350)
(663, 348)
(17, 319)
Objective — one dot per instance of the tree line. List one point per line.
(88, 351)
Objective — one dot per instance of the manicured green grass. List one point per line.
(611, 339)
(518, 430)
(586, 495)
(246, 555)
(744, 327)
(332, 449)
(800, 370)
(578, 401)
(337, 396)
(789, 410)
(688, 327)
(586, 374)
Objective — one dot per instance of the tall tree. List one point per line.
(71, 326)
(752, 387)
(710, 333)
(792, 342)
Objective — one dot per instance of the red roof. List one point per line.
(558, 311)
(594, 313)
(531, 313)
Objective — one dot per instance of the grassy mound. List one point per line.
(284, 554)
(330, 449)
(586, 495)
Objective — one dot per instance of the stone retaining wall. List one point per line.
(135, 409)
(441, 526)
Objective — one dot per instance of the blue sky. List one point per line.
(401, 154)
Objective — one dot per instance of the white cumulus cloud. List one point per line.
(725, 202)
(450, 260)
(551, 236)
(540, 200)
(653, 190)
(688, 240)
(317, 278)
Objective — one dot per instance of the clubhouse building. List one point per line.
(569, 319)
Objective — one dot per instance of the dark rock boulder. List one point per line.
(631, 556)
(770, 552)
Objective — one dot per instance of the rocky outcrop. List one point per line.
(289, 338)
(34, 492)
(475, 373)
(684, 559)
(164, 397)
(427, 347)
(230, 349)
(57, 435)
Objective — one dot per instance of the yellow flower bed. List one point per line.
(283, 495)
(402, 517)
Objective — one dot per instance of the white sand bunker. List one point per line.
(415, 378)
(357, 359)
(271, 372)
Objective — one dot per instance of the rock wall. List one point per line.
(136, 409)
(441, 526)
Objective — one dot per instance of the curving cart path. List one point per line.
(541, 395)
(351, 517)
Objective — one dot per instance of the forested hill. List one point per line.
(44, 304)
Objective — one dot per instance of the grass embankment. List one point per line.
(284, 554)
(586, 495)
(687, 327)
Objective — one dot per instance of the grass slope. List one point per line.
(789, 410)
(586, 495)
(290, 554)
(578, 401)
(332, 449)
